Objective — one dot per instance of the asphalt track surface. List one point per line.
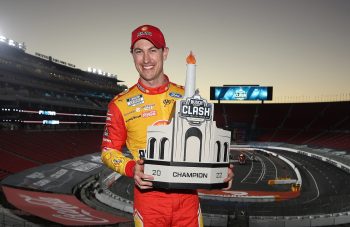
(325, 188)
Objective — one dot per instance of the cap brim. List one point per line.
(155, 44)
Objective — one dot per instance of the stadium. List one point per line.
(291, 160)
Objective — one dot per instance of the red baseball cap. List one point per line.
(149, 32)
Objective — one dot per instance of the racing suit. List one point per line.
(128, 116)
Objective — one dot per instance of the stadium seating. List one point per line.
(29, 149)
(13, 163)
(324, 124)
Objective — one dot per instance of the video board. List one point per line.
(241, 93)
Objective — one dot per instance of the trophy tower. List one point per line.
(190, 152)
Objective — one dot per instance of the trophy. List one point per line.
(190, 152)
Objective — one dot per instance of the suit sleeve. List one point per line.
(114, 138)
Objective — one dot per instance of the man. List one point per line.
(149, 102)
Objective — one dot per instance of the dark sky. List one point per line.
(300, 47)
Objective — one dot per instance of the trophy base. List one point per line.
(186, 175)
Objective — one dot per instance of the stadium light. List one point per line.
(21, 46)
(11, 43)
(2, 38)
(100, 72)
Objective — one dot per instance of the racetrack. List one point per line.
(324, 187)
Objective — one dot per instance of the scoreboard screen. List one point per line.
(241, 93)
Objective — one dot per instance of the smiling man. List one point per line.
(148, 102)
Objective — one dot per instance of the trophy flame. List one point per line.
(191, 59)
(190, 85)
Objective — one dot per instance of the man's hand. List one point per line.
(229, 177)
(142, 180)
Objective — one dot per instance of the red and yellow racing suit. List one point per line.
(128, 116)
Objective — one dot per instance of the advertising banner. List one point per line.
(59, 208)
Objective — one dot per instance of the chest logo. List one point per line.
(136, 100)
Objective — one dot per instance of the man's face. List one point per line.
(149, 62)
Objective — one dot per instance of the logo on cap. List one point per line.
(144, 32)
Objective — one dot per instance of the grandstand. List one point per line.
(48, 107)
(30, 83)
(52, 112)
(324, 124)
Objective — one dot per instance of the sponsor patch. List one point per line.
(149, 113)
(141, 88)
(107, 140)
(106, 132)
(167, 102)
(148, 107)
(133, 118)
(117, 162)
(144, 34)
(145, 107)
(136, 100)
(175, 95)
(133, 111)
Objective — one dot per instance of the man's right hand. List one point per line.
(143, 181)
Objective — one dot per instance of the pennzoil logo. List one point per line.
(195, 110)
(144, 32)
(136, 100)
